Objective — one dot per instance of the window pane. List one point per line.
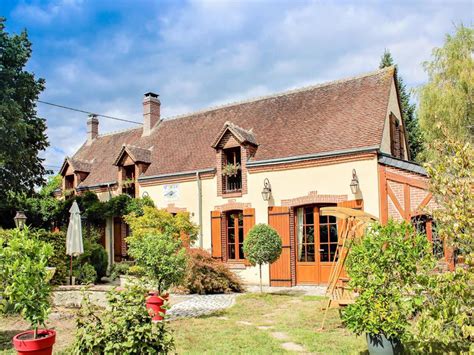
(310, 235)
(231, 251)
(241, 235)
(302, 253)
(324, 253)
(332, 219)
(230, 220)
(333, 251)
(241, 219)
(309, 215)
(333, 233)
(230, 235)
(310, 252)
(323, 233)
(323, 219)
(241, 251)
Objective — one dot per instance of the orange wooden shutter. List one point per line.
(280, 270)
(216, 240)
(249, 220)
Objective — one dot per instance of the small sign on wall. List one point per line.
(171, 192)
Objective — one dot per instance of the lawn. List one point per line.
(257, 324)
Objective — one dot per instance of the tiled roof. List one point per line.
(340, 115)
(136, 153)
(401, 164)
(242, 135)
(77, 165)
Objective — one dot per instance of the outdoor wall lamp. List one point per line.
(267, 190)
(354, 182)
(20, 219)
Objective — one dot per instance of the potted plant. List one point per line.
(230, 169)
(384, 267)
(163, 260)
(128, 183)
(25, 277)
(262, 246)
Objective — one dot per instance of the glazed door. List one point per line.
(316, 242)
(117, 239)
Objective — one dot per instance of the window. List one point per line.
(397, 139)
(69, 182)
(327, 238)
(232, 167)
(306, 242)
(128, 180)
(425, 225)
(235, 235)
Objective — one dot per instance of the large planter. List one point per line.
(154, 304)
(24, 343)
(378, 344)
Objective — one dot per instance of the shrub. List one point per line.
(94, 253)
(118, 269)
(23, 276)
(205, 275)
(86, 274)
(386, 267)
(124, 328)
(161, 256)
(58, 260)
(262, 246)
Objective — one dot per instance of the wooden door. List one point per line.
(117, 239)
(306, 225)
(280, 270)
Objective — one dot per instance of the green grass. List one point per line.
(298, 316)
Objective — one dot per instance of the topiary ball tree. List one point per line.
(262, 246)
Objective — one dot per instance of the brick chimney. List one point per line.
(92, 128)
(151, 112)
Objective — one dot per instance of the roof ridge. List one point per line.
(111, 133)
(280, 94)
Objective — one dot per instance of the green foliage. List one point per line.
(162, 257)
(205, 275)
(414, 134)
(58, 259)
(94, 253)
(118, 269)
(160, 221)
(124, 328)
(446, 106)
(23, 276)
(85, 274)
(446, 322)
(386, 267)
(451, 173)
(262, 245)
(22, 132)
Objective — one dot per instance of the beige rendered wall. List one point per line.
(395, 109)
(286, 184)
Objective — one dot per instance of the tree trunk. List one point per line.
(260, 269)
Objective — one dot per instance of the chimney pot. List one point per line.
(151, 112)
(92, 128)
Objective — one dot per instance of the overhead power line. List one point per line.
(89, 113)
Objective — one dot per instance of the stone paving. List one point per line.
(199, 305)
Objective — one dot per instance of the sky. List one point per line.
(102, 56)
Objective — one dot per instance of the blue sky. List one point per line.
(102, 56)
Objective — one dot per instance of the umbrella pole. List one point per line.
(70, 272)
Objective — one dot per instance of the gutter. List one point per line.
(102, 184)
(311, 156)
(183, 173)
(199, 188)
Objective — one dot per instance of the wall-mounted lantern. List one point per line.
(267, 190)
(354, 182)
(20, 219)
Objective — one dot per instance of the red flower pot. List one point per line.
(24, 343)
(154, 304)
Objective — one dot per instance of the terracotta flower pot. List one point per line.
(24, 343)
(154, 304)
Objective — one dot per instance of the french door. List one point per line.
(316, 243)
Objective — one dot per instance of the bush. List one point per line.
(94, 253)
(86, 275)
(118, 269)
(23, 276)
(59, 259)
(262, 246)
(161, 256)
(205, 275)
(386, 267)
(124, 328)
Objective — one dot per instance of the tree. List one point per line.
(22, 133)
(446, 101)
(262, 246)
(415, 139)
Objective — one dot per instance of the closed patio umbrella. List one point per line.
(74, 244)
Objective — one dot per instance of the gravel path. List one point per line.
(199, 305)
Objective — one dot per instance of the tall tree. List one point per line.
(415, 140)
(447, 100)
(22, 133)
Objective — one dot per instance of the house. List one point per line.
(274, 159)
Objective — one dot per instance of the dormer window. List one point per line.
(232, 170)
(397, 138)
(131, 162)
(74, 171)
(234, 146)
(128, 180)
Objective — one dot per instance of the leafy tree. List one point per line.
(22, 133)
(262, 246)
(446, 106)
(415, 139)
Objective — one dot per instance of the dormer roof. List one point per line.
(77, 165)
(137, 154)
(242, 135)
